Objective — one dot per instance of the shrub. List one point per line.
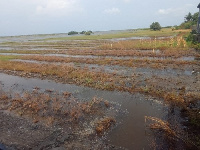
(72, 32)
(155, 26)
(82, 32)
(88, 32)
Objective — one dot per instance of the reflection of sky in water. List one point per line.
(130, 133)
(25, 38)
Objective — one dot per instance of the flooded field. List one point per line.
(123, 93)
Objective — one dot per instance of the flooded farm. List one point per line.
(123, 93)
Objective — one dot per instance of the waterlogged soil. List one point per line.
(23, 133)
(188, 58)
(129, 129)
(120, 70)
(129, 133)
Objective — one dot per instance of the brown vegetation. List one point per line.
(52, 108)
(104, 124)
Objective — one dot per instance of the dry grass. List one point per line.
(175, 42)
(159, 63)
(100, 80)
(173, 53)
(169, 133)
(66, 73)
(175, 99)
(160, 125)
(52, 108)
(104, 124)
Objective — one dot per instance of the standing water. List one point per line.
(131, 131)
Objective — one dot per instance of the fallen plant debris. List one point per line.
(160, 125)
(104, 124)
(53, 110)
(169, 133)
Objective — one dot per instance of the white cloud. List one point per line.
(112, 11)
(166, 11)
(127, 1)
(58, 7)
(179, 11)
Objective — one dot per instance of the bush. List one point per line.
(191, 38)
(82, 32)
(72, 32)
(155, 26)
(192, 41)
(88, 32)
(186, 25)
(190, 20)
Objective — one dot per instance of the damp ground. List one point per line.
(106, 114)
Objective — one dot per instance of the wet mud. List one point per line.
(163, 92)
(129, 133)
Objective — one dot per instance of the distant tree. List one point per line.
(155, 26)
(72, 32)
(82, 32)
(86, 32)
(90, 31)
(188, 17)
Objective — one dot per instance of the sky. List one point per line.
(24, 17)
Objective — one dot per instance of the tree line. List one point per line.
(189, 21)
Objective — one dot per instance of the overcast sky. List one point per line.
(21, 17)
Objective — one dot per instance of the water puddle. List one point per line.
(139, 38)
(26, 38)
(128, 71)
(33, 61)
(2, 147)
(130, 38)
(157, 51)
(17, 54)
(189, 58)
(131, 131)
(5, 48)
(168, 72)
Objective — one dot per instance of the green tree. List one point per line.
(195, 17)
(155, 26)
(188, 17)
(82, 32)
(190, 20)
(72, 32)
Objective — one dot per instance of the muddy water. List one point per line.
(25, 38)
(128, 71)
(131, 131)
(2, 147)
